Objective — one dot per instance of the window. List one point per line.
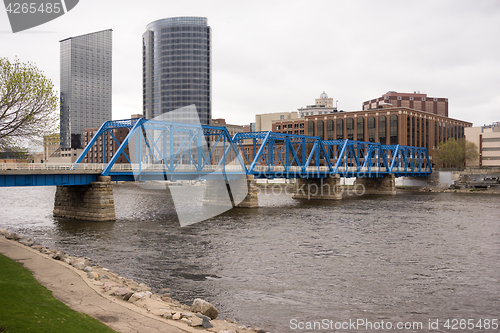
(321, 129)
(340, 129)
(360, 129)
(329, 129)
(371, 129)
(278, 127)
(310, 128)
(408, 131)
(394, 129)
(281, 117)
(381, 130)
(350, 128)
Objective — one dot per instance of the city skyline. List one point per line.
(277, 56)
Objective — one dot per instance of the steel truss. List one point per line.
(183, 151)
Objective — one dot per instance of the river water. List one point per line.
(408, 258)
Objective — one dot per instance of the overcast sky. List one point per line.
(275, 56)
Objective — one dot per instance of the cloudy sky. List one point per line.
(274, 56)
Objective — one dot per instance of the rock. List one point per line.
(87, 269)
(231, 321)
(176, 316)
(227, 331)
(13, 236)
(167, 315)
(204, 308)
(206, 323)
(26, 241)
(137, 296)
(80, 265)
(109, 285)
(195, 321)
(67, 260)
(93, 275)
(259, 330)
(126, 297)
(121, 291)
(60, 256)
(4, 232)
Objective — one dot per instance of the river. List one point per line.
(408, 258)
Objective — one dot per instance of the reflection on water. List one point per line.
(412, 257)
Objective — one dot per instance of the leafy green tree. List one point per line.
(28, 105)
(455, 153)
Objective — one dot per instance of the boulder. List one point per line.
(108, 286)
(122, 291)
(195, 321)
(4, 232)
(139, 295)
(80, 265)
(93, 275)
(87, 269)
(60, 256)
(176, 316)
(204, 308)
(13, 236)
(26, 241)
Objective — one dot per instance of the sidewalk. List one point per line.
(69, 286)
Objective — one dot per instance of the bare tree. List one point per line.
(28, 105)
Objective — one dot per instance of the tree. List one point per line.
(455, 153)
(28, 105)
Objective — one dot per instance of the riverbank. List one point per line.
(122, 304)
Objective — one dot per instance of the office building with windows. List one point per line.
(86, 62)
(415, 101)
(387, 125)
(177, 67)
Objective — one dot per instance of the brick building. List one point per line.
(102, 151)
(388, 125)
(416, 101)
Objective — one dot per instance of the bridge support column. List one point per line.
(382, 185)
(318, 188)
(251, 200)
(216, 192)
(92, 202)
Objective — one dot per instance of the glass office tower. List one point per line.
(177, 67)
(85, 85)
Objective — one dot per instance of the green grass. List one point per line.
(27, 306)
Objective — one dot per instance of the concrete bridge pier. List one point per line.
(378, 185)
(216, 193)
(318, 188)
(92, 202)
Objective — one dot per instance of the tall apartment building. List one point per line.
(177, 67)
(415, 101)
(85, 85)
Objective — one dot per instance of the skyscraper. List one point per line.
(85, 85)
(177, 67)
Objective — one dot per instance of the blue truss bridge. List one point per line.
(158, 150)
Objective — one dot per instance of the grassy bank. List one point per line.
(27, 306)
